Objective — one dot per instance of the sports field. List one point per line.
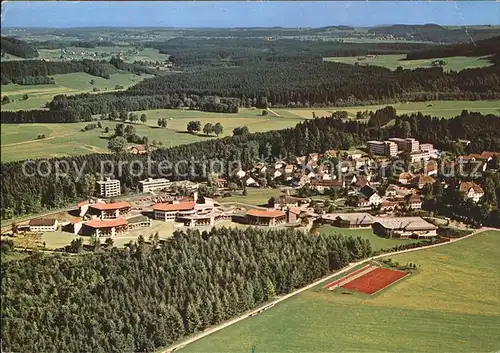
(456, 63)
(445, 109)
(257, 197)
(366, 233)
(19, 141)
(450, 304)
(74, 83)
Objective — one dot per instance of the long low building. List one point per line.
(43, 225)
(168, 212)
(266, 217)
(348, 220)
(404, 227)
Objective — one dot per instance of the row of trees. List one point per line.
(144, 297)
(208, 128)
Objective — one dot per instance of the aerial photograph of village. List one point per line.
(266, 176)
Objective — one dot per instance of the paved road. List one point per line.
(285, 297)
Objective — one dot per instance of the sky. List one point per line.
(61, 14)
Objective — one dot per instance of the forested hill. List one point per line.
(436, 33)
(18, 48)
(489, 46)
(22, 193)
(142, 298)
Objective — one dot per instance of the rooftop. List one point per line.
(43, 222)
(405, 223)
(265, 213)
(97, 223)
(181, 206)
(101, 206)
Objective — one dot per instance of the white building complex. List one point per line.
(151, 184)
(109, 187)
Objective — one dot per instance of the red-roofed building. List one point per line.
(293, 215)
(107, 228)
(471, 190)
(415, 201)
(109, 210)
(168, 212)
(266, 217)
(138, 149)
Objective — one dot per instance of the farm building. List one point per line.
(266, 217)
(404, 227)
(349, 220)
(138, 222)
(43, 225)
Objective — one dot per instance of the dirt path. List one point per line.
(37, 140)
(273, 112)
(285, 297)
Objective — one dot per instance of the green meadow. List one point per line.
(450, 303)
(74, 83)
(366, 233)
(19, 141)
(456, 63)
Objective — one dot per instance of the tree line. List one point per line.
(18, 48)
(481, 48)
(145, 297)
(16, 70)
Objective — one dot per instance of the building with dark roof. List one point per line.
(43, 225)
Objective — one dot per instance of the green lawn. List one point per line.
(450, 304)
(446, 109)
(367, 233)
(19, 141)
(73, 83)
(257, 197)
(392, 62)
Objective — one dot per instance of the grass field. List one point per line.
(392, 62)
(376, 241)
(257, 197)
(19, 141)
(73, 83)
(446, 109)
(450, 304)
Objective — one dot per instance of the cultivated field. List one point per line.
(367, 233)
(19, 141)
(74, 83)
(451, 301)
(456, 63)
(446, 109)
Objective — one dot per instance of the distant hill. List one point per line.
(436, 33)
(18, 48)
(489, 46)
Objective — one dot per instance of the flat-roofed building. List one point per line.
(426, 147)
(420, 156)
(266, 217)
(151, 184)
(43, 225)
(376, 147)
(109, 187)
(404, 227)
(406, 144)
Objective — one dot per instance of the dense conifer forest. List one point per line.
(144, 297)
(18, 48)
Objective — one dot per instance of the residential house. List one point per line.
(139, 149)
(471, 190)
(240, 174)
(371, 195)
(251, 182)
(289, 169)
(391, 190)
(415, 201)
(422, 180)
(405, 178)
(322, 185)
